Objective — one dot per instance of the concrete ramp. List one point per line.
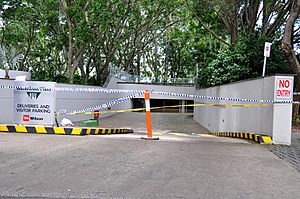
(166, 126)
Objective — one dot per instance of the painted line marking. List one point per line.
(3, 128)
(59, 130)
(21, 129)
(179, 134)
(76, 131)
(40, 129)
(206, 135)
(267, 139)
(88, 131)
(158, 133)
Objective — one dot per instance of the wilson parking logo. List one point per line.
(33, 95)
(26, 118)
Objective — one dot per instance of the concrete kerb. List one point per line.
(79, 131)
(261, 139)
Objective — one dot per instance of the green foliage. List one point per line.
(187, 46)
(243, 61)
(223, 69)
(58, 39)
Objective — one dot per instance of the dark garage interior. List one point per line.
(181, 105)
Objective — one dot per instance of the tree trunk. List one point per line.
(138, 66)
(6, 74)
(250, 17)
(297, 97)
(70, 56)
(287, 45)
(22, 65)
(230, 20)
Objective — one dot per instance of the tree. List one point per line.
(76, 40)
(242, 61)
(75, 13)
(127, 30)
(241, 17)
(288, 46)
(287, 41)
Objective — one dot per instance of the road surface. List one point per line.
(179, 165)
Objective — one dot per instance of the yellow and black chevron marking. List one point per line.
(61, 130)
(103, 131)
(262, 139)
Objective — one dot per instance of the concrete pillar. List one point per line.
(183, 106)
(282, 113)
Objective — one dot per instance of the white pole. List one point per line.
(264, 67)
(267, 51)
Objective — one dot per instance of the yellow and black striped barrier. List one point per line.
(262, 139)
(62, 130)
(108, 131)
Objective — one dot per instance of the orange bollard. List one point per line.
(148, 117)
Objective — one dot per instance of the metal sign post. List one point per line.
(267, 51)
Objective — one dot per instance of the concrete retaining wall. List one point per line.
(77, 100)
(259, 119)
(220, 119)
(65, 100)
(271, 120)
(6, 102)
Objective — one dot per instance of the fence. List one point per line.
(125, 76)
